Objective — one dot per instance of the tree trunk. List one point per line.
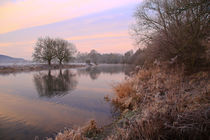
(49, 62)
(49, 73)
(60, 62)
(61, 74)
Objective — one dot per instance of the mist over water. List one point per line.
(45, 102)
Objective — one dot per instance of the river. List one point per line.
(45, 102)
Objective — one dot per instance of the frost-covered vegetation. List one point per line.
(160, 104)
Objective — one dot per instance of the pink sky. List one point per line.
(102, 25)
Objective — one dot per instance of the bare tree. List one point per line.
(64, 50)
(45, 50)
(94, 56)
(173, 28)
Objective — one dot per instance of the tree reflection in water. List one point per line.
(51, 85)
(95, 71)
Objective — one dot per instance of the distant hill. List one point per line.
(8, 59)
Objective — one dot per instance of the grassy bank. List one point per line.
(161, 103)
(156, 103)
(35, 67)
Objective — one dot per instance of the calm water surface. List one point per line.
(43, 103)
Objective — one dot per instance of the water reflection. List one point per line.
(51, 85)
(23, 119)
(95, 71)
(24, 115)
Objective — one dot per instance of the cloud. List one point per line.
(15, 43)
(99, 36)
(29, 13)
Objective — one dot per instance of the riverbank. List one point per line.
(156, 103)
(35, 67)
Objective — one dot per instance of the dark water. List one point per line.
(43, 103)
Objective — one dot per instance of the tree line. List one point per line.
(109, 58)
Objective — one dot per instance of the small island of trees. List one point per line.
(48, 49)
